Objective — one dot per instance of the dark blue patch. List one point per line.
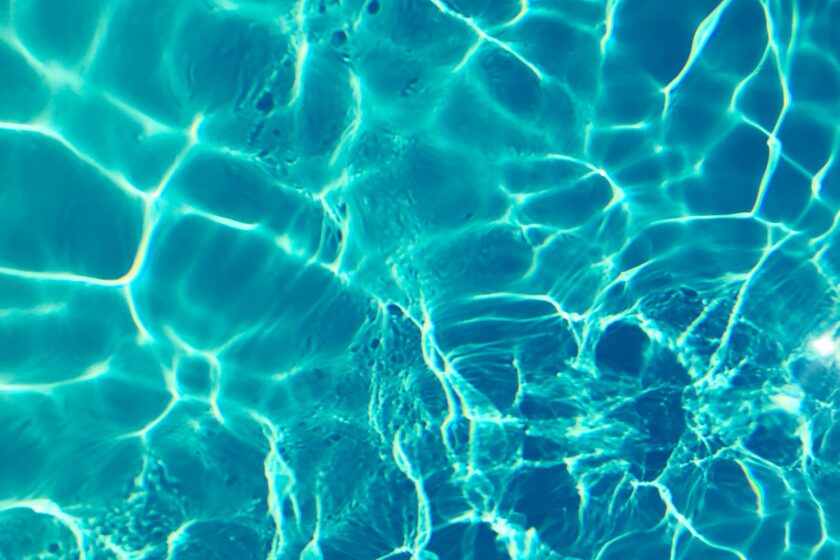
(511, 83)
(739, 40)
(659, 39)
(774, 439)
(806, 139)
(537, 448)
(549, 500)
(814, 78)
(731, 174)
(788, 194)
(622, 348)
(628, 96)
(215, 540)
(464, 541)
(762, 98)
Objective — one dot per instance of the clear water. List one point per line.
(432, 279)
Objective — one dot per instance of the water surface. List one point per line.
(431, 279)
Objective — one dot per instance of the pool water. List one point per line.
(419, 279)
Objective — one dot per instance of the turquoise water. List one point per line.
(430, 279)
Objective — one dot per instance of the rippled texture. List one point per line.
(432, 279)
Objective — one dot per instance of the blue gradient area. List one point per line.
(419, 279)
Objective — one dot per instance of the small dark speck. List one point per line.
(338, 38)
(53, 547)
(266, 103)
(374, 344)
(275, 132)
(373, 7)
(395, 310)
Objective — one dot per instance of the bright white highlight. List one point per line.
(824, 345)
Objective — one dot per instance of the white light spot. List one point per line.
(824, 345)
(788, 402)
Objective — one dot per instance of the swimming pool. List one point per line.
(433, 279)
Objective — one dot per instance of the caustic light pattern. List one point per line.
(419, 279)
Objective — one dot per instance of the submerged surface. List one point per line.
(455, 279)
